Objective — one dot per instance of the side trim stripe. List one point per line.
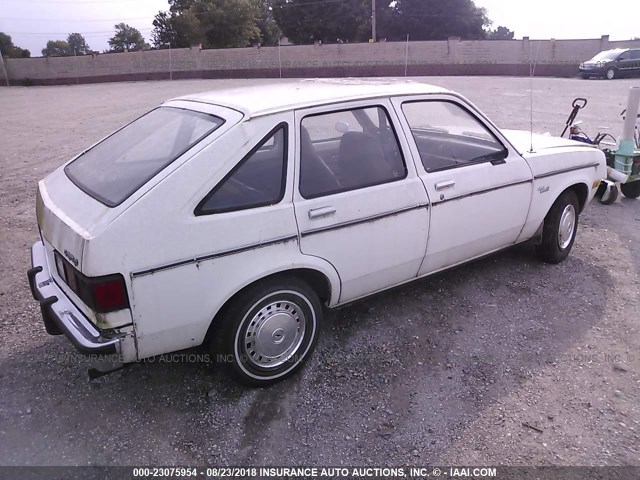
(373, 218)
(212, 256)
(565, 170)
(480, 192)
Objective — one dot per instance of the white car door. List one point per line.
(358, 200)
(479, 187)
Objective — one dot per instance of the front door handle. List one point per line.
(445, 184)
(321, 212)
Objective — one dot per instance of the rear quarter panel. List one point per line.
(157, 241)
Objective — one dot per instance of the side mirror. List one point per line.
(498, 158)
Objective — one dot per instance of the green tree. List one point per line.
(270, 32)
(164, 33)
(388, 20)
(179, 6)
(214, 23)
(9, 50)
(127, 38)
(227, 23)
(56, 48)
(306, 21)
(437, 20)
(500, 33)
(78, 45)
(175, 30)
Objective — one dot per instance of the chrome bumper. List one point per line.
(60, 315)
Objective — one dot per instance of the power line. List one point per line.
(79, 21)
(320, 2)
(70, 2)
(101, 32)
(67, 33)
(286, 5)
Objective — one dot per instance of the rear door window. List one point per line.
(347, 150)
(119, 165)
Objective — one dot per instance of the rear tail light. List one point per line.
(110, 294)
(102, 294)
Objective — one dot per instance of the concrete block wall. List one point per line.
(450, 57)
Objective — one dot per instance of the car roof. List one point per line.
(269, 98)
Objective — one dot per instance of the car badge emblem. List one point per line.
(71, 258)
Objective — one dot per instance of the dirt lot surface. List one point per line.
(505, 361)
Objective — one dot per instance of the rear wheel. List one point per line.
(631, 190)
(270, 330)
(559, 229)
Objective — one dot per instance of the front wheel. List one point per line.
(631, 190)
(559, 229)
(270, 330)
(611, 74)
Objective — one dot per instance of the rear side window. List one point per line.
(347, 150)
(119, 165)
(258, 180)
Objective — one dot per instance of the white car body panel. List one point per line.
(394, 243)
(556, 164)
(180, 269)
(474, 209)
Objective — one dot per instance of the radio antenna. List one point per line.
(532, 72)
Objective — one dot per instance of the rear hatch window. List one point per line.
(115, 168)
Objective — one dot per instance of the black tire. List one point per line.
(631, 190)
(610, 74)
(272, 312)
(553, 249)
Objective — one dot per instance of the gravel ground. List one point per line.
(505, 361)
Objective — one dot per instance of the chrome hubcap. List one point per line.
(567, 226)
(274, 334)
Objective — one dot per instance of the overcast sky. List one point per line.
(32, 22)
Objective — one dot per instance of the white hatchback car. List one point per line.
(232, 217)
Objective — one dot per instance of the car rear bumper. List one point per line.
(61, 316)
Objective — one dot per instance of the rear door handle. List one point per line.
(321, 212)
(445, 184)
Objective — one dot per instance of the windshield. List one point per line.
(606, 56)
(119, 165)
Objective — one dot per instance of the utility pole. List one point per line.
(373, 21)
(4, 69)
(75, 60)
(170, 65)
(406, 57)
(279, 57)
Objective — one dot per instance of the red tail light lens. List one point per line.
(110, 295)
(101, 294)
